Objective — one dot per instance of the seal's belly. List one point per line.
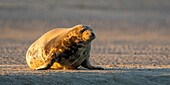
(69, 62)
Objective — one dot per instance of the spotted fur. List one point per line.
(62, 48)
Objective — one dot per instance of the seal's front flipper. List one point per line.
(86, 64)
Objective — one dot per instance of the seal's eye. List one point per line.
(83, 30)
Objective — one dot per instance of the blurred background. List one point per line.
(128, 31)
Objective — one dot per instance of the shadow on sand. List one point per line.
(19, 75)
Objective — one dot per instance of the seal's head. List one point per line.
(82, 34)
(87, 34)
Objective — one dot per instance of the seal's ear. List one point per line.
(73, 38)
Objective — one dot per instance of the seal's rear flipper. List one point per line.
(43, 67)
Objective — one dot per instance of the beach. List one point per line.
(132, 41)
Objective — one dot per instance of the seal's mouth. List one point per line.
(91, 37)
